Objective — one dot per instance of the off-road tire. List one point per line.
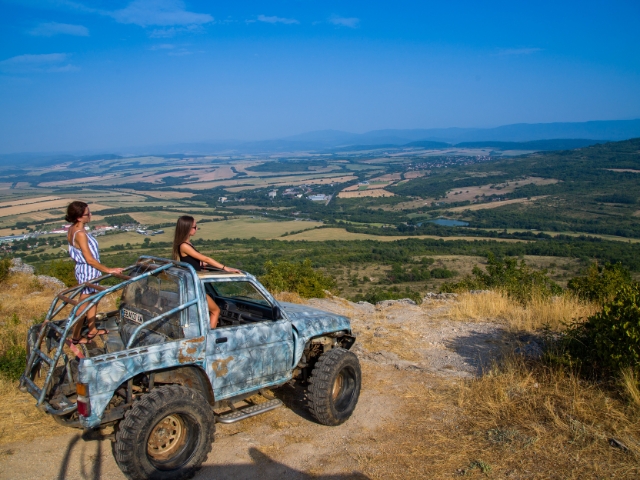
(334, 386)
(187, 417)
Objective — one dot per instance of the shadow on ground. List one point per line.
(481, 349)
(265, 468)
(90, 465)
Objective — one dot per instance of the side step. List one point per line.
(247, 412)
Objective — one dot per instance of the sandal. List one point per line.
(78, 341)
(101, 331)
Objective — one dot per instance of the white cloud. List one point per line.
(350, 22)
(46, 62)
(41, 59)
(274, 19)
(518, 51)
(159, 12)
(173, 50)
(54, 28)
(173, 31)
(163, 46)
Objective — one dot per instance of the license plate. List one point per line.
(133, 316)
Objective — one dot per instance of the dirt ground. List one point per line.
(403, 349)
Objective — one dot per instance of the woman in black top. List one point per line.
(183, 251)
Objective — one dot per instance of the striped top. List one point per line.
(85, 272)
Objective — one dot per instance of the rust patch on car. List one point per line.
(189, 350)
(220, 367)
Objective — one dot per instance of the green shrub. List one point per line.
(61, 269)
(118, 220)
(12, 351)
(13, 361)
(5, 265)
(298, 278)
(610, 339)
(601, 283)
(442, 273)
(517, 279)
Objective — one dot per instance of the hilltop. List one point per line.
(454, 386)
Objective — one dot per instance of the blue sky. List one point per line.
(97, 75)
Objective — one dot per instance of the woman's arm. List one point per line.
(186, 249)
(88, 256)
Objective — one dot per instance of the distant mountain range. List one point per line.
(520, 136)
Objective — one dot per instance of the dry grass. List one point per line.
(370, 192)
(515, 422)
(25, 302)
(630, 383)
(489, 205)
(290, 297)
(495, 306)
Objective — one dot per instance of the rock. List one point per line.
(388, 303)
(439, 296)
(618, 444)
(19, 267)
(366, 306)
(51, 282)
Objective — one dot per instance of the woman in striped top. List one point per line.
(83, 248)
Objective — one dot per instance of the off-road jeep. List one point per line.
(161, 378)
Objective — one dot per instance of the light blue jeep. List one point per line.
(162, 378)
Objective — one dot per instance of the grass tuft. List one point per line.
(494, 306)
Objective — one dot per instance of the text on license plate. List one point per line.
(133, 316)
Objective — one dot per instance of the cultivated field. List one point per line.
(323, 234)
(470, 193)
(484, 206)
(369, 192)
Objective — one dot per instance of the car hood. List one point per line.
(311, 322)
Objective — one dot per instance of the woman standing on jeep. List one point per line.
(184, 251)
(83, 248)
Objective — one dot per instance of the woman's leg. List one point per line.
(90, 318)
(214, 312)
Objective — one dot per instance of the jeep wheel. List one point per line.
(334, 386)
(166, 435)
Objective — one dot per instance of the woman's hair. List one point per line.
(75, 210)
(183, 228)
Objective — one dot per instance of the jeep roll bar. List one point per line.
(63, 328)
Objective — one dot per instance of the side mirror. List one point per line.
(275, 312)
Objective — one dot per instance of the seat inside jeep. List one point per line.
(147, 299)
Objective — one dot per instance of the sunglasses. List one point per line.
(195, 227)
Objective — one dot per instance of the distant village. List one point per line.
(95, 231)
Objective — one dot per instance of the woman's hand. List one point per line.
(230, 270)
(114, 270)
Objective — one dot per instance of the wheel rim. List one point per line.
(337, 386)
(344, 389)
(167, 438)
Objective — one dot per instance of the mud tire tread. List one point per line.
(130, 450)
(326, 369)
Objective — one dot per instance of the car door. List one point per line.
(250, 355)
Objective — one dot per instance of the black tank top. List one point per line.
(194, 262)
